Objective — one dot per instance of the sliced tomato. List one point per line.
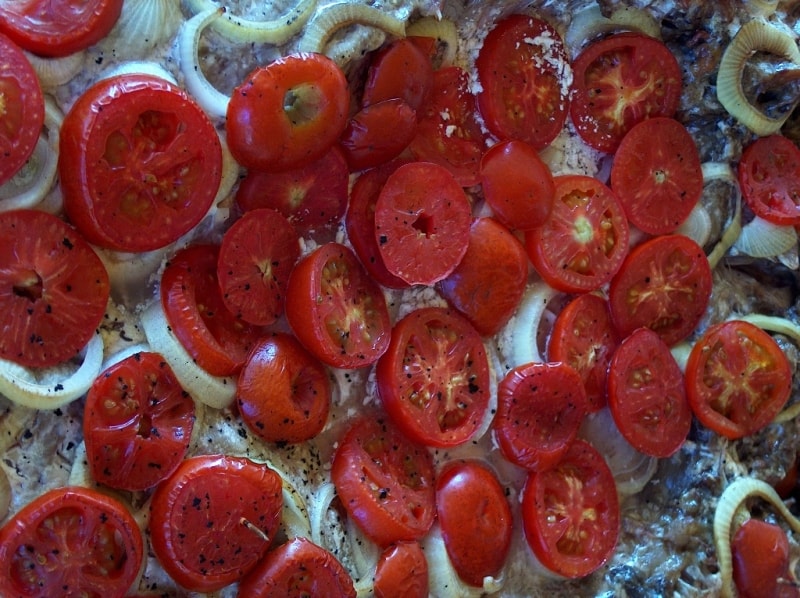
(524, 74)
(137, 423)
(434, 378)
(489, 281)
(214, 519)
(656, 175)
(585, 240)
(769, 177)
(647, 395)
(665, 285)
(402, 570)
(399, 70)
(288, 113)
(422, 220)
(70, 541)
(619, 81)
(378, 133)
(737, 379)
(475, 518)
(21, 108)
(384, 481)
(760, 552)
(570, 513)
(53, 289)
(336, 311)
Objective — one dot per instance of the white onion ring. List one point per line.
(239, 29)
(333, 17)
(210, 99)
(527, 322)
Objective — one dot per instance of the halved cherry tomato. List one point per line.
(619, 81)
(336, 311)
(585, 240)
(399, 70)
(647, 395)
(475, 518)
(570, 513)
(283, 392)
(524, 74)
(737, 379)
(53, 289)
(297, 569)
(70, 541)
(760, 552)
(378, 133)
(256, 256)
(657, 175)
(58, 28)
(213, 520)
(287, 113)
(21, 108)
(769, 176)
(384, 481)
(489, 281)
(540, 407)
(401, 572)
(137, 423)
(139, 163)
(422, 220)
(434, 378)
(664, 285)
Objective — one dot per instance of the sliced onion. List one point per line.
(443, 30)
(720, 171)
(590, 23)
(144, 67)
(763, 8)
(131, 275)
(277, 31)
(54, 72)
(527, 323)
(761, 238)
(143, 25)
(210, 99)
(697, 225)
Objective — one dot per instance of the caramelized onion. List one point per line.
(239, 29)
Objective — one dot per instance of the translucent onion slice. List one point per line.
(295, 520)
(590, 23)
(54, 72)
(527, 323)
(444, 30)
(697, 225)
(145, 67)
(720, 171)
(239, 29)
(763, 8)
(761, 238)
(131, 274)
(143, 25)
(365, 551)
(333, 17)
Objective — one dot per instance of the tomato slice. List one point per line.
(737, 379)
(585, 240)
(525, 75)
(647, 395)
(53, 289)
(60, 27)
(657, 175)
(137, 423)
(760, 552)
(70, 541)
(139, 163)
(336, 311)
(378, 133)
(619, 81)
(399, 70)
(664, 284)
(283, 392)
(402, 567)
(434, 378)
(422, 220)
(769, 177)
(385, 482)
(21, 109)
(570, 513)
(213, 519)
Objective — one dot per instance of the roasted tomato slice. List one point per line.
(400, 70)
(401, 567)
(378, 133)
(769, 176)
(760, 552)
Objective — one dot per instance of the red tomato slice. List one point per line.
(475, 518)
(53, 289)
(434, 378)
(619, 81)
(422, 220)
(489, 281)
(647, 395)
(215, 338)
(585, 240)
(657, 175)
(139, 163)
(283, 392)
(760, 552)
(60, 27)
(737, 379)
(287, 113)
(137, 423)
(213, 520)
(399, 70)
(384, 481)
(524, 74)
(336, 311)
(769, 176)
(540, 407)
(70, 542)
(21, 108)
(297, 569)
(378, 133)
(256, 256)
(664, 284)
(570, 513)
(402, 569)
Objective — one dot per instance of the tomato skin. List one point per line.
(769, 177)
(287, 113)
(737, 379)
(69, 541)
(378, 133)
(401, 572)
(399, 70)
(760, 552)
(476, 520)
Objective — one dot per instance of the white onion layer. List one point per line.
(210, 99)
(527, 323)
(276, 31)
(53, 72)
(333, 17)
